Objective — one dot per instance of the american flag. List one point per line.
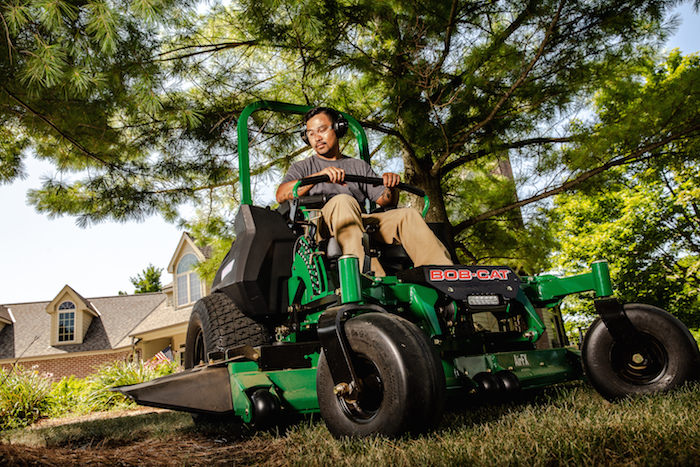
(165, 355)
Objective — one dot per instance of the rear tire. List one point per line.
(668, 357)
(401, 375)
(216, 324)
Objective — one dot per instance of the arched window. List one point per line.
(66, 322)
(189, 288)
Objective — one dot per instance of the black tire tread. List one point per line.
(229, 327)
(223, 326)
(683, 353)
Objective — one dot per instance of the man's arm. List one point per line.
(285, 190)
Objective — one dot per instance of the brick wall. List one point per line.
(79, 366)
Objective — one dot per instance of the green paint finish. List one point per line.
(422, 305)
(308, 272)
(245, 376)
(296, 389)
(548, 290)
(601, 278)
(535, 325)
(413, 301)
(534, 368)
(349, 272)
(540, 367)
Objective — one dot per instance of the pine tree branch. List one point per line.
(10, 45)
(472, 156)
(435, 170)
(69, 138)
(387, 131)
(457, 81)
(202, 49)
(632, 158)
(448, 36)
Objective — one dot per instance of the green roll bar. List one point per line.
(243, 140)
(244, 160)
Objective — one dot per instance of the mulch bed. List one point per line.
(188, 450)
(193, 451)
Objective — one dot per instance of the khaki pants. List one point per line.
(346, 222)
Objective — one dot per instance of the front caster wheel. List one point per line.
(665, 356)
(402, 380)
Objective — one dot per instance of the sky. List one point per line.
(40, 255)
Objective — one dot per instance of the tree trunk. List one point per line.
(419, 175)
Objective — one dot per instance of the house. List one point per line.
(73, 335)
(167, 326)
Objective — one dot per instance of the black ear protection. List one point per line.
(340, 126)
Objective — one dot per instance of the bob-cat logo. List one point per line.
(467, 274)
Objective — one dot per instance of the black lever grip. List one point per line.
(360, 179)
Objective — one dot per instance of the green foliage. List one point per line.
(512, 241)
(69, 396)
(446, 88)
(82, 85)
(642, 216)
(24, 397)
(638, 229)
(578, 314)
(122, 374)
(148, 280)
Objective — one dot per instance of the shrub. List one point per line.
(69, 396)
(24, 397)
(122, 374)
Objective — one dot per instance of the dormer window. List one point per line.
(71, 316)
(189, 287)
(66, 322)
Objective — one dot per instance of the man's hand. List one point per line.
(335, 174)
(391, 179)
(390, 197)
(285, 190)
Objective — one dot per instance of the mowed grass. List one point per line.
(565, 425)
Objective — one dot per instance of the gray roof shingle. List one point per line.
(5, 315)
(30, 335)
(162, 317)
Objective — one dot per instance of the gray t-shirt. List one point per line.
(315, 164)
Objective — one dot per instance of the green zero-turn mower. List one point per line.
(292, 326)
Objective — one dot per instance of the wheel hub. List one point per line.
(371, 394)
(199, 348)
(643, 364)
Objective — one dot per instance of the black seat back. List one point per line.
(255, 271)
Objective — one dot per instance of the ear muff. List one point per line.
(304, 138)
(340, 126)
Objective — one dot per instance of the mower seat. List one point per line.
(392, 257)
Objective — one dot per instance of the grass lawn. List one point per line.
(566, 425)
